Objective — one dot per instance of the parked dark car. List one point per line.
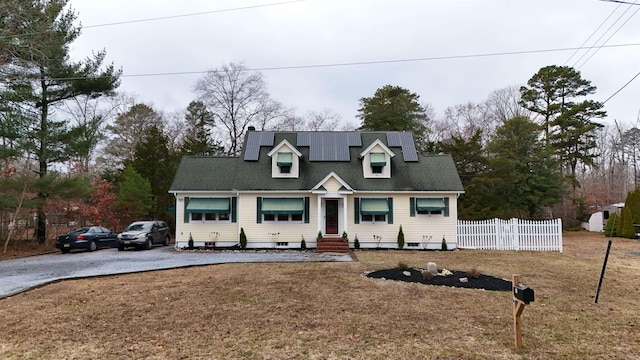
(144, 234)
(89, 238)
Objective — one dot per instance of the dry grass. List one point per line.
(331, 311)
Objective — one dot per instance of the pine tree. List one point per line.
(400, 238)
(198, 138)
(628, 230)
(37, 74)
(610, 227)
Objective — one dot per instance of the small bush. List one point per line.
(444, 246)
(345, 237)
(473, 273)
(243, 239)
(426, 275)
(400, 238)
(319, 235)
(403, 266)
(303, 244)
(356, 243)
(190, 242)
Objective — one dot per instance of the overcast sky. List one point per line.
(449, 51)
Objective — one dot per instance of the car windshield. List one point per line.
(79, 230)
(139, 227)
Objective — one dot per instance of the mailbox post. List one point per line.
(522, 296)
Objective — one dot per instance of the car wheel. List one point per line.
(120, 247)
(64, 251)
(166, 241)
(93, 246)
(148, 244)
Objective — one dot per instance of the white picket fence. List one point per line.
(514, 234)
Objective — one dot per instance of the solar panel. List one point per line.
(405, 141)
(256, 139)
(329, 146)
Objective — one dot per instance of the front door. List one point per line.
(331, 217)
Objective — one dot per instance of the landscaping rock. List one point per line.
(446, 272)
(406, 273)
(432, 268)
(464, 280)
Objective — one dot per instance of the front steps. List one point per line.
(336, 245)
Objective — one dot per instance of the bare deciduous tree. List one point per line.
(325, 120)
(237, 98)
(89, 116)
(504, 104)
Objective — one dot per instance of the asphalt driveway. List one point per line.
(18, 275)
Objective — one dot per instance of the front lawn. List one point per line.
(333, 311)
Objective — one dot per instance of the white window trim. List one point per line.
(275, 219)
(430, 213)
(203, 221)
(373, 219)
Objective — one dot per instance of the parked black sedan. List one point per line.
(90, 238)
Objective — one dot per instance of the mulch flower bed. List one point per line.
(485, 282)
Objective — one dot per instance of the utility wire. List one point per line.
(592, 34)
(162, 18)
(603, 34)
(623, 86)
(621, 2)
(360, 63)
(192, 14)
(609, 38)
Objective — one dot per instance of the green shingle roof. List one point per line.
(429, 173)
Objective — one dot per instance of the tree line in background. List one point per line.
(74, 149)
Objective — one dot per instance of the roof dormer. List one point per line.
(376, 160)
(285, 160)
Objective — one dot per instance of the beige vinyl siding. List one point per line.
(220, 232)
(332, 185)
(265, 234)
(416, 229)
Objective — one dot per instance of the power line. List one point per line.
(162, 18)
(593, 33)
(621, 2)
(610, 36)
(192, 14)
(361, 63)
(623, 86)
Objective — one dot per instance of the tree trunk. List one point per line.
(41, 227)
(15, 216)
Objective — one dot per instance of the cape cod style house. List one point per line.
(288, 186)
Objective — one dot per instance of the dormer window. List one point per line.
(285, 159)
(378, 162)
